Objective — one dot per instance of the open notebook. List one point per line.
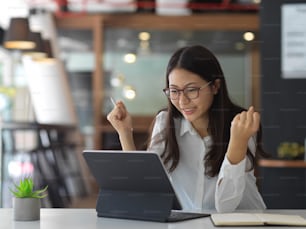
(257, 219)
(135, 185)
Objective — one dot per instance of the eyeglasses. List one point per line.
(189, 92)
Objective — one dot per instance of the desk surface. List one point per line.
(67, 218)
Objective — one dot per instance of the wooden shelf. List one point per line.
(207, 21)
(282, 163)
(192, 22)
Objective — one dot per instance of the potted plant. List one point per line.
(291, 151)
(26, 201)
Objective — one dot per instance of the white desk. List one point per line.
(68, 218)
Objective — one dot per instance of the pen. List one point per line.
(113, 101)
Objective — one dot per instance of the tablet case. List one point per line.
(133, 185)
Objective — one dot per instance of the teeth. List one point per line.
(187, 111)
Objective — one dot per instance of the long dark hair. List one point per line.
(202, 62)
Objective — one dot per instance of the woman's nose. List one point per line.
(183, 99)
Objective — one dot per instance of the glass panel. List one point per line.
(77, 52)
(145, 76)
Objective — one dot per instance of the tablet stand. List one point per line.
(134, 205)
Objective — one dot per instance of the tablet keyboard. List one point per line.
(176, 216)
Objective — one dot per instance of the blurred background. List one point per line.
(61, 62)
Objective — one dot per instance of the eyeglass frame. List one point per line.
(183, 91)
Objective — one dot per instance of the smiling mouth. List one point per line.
(188, 110)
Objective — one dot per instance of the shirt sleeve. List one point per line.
(231, 182)
(157, 143)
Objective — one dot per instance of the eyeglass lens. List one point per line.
(189, 92)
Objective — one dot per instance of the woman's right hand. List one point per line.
(120, 118)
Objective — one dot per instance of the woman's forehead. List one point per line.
(183, 76)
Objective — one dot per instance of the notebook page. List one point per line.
(281, 219)
(232, 219)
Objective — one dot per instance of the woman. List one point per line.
(206, 141)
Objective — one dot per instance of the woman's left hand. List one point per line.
(244, 126)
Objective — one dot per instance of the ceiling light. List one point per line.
(144, 36)
(37, 52)
(248, 36)
(129, 58)
(17, 35)
(129, 92)
(117, 81)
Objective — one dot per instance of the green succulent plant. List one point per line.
(25, 189)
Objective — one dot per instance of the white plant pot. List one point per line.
(26, 209)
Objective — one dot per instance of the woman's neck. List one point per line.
(201, 126)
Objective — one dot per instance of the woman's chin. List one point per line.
(189, 118)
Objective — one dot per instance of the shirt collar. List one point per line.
(186, 127)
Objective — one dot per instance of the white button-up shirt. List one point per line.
(234, 187)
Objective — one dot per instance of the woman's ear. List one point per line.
(216, 86)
